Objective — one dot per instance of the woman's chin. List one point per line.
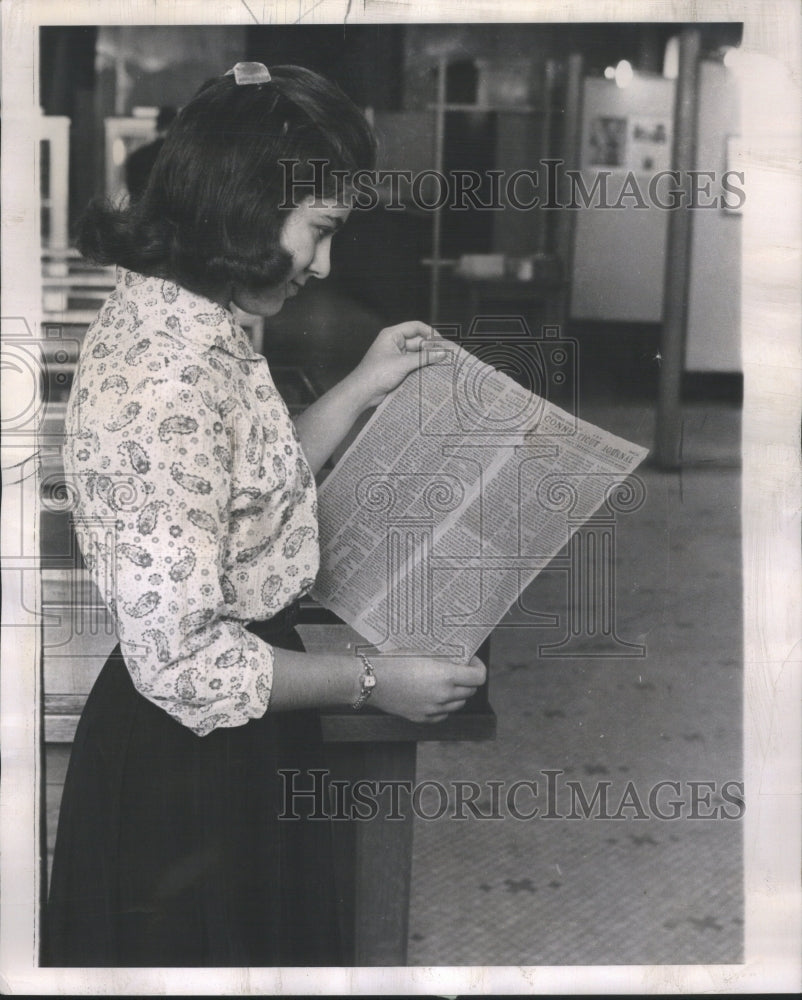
(263, 304)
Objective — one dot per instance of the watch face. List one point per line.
(368, 682)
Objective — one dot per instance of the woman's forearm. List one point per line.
(416, 687)
(313, 680)
(324, 424)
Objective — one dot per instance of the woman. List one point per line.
(196, 515)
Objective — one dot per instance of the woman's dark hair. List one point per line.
(212, 212)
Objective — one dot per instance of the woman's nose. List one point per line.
(321, 262)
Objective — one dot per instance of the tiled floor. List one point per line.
(632, 890)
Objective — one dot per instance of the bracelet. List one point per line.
(367, 682)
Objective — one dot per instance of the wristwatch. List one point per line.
(367, 682)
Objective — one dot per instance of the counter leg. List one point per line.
(374, 856)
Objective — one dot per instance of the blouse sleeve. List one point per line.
(160, 472)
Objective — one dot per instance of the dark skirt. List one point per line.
(170, 848)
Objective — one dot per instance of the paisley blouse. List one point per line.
(195, 508)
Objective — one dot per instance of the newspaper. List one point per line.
(457, 492)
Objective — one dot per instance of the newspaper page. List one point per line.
(458, 491)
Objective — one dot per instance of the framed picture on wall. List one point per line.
(649, 146)
(606, 142)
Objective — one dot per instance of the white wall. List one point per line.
(619, 253)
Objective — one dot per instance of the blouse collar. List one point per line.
(212, 325)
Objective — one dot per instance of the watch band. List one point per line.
(367, 682)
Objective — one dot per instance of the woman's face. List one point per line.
(306, 236)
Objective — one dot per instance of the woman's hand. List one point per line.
(397, 351)
(422, 688)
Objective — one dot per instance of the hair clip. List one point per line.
(250, 72)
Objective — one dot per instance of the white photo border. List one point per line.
(772, 565)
